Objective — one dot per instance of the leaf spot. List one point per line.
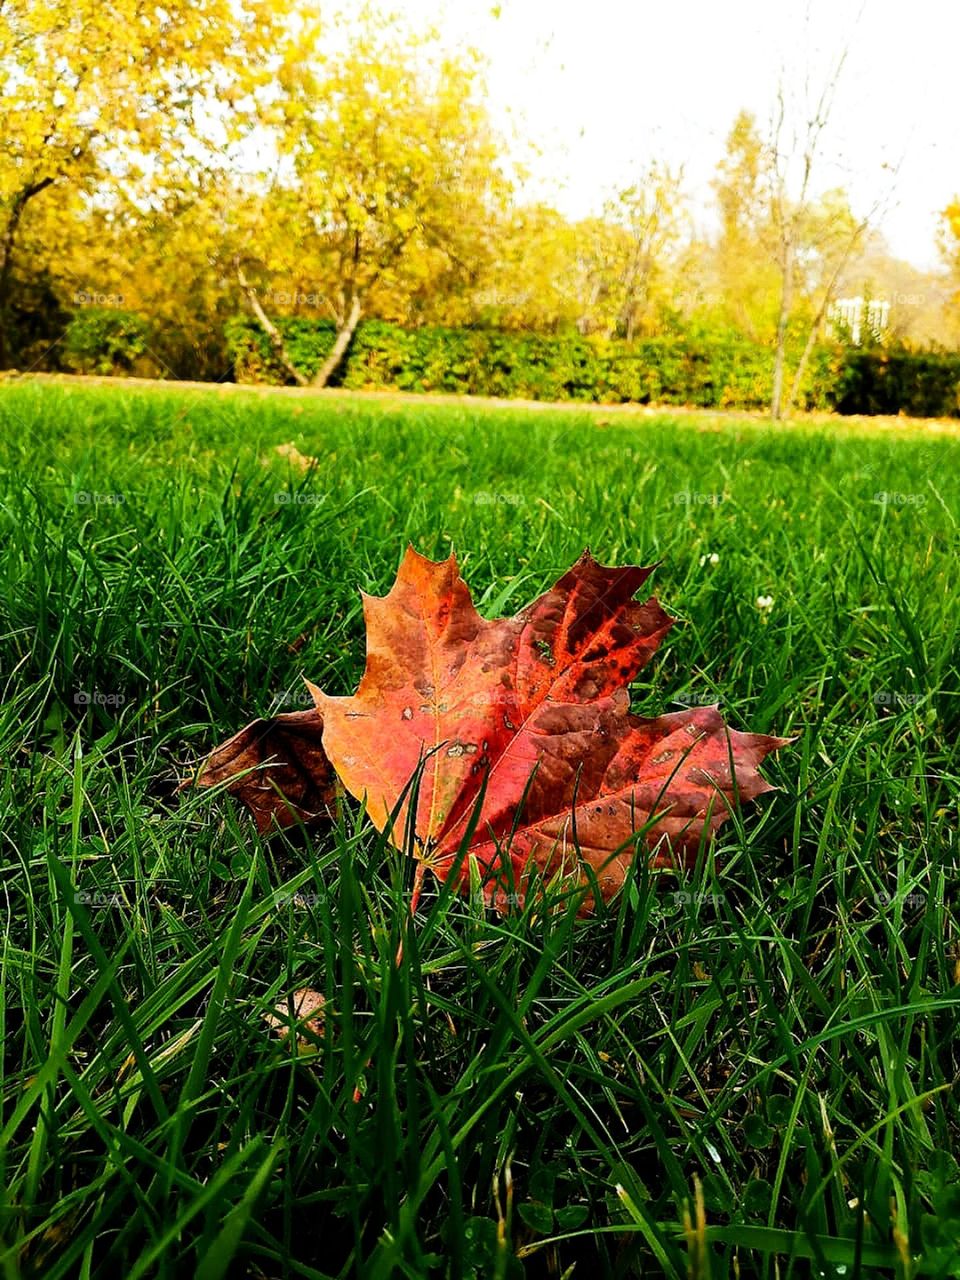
(545, 652)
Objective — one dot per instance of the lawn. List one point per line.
(749, 1072)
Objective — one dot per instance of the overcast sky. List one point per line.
(600, 86)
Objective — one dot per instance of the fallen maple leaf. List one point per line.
(532, 710)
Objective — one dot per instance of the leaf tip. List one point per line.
(316, 693)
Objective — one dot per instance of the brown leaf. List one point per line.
(291, 780)
(308, 1008)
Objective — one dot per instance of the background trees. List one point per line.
(386, 176)
(98, 99)
(949, 238)
(196, 161)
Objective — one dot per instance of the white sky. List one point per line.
(600, 86)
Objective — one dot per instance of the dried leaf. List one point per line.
(284, 774)
(308, 1007)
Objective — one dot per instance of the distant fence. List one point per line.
(858, 319)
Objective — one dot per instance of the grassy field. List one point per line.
(752, 1072)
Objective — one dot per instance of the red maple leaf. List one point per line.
(528, 718)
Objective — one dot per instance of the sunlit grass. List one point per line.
(769, 1048)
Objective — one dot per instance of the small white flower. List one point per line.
(713, 558)
(764, 603)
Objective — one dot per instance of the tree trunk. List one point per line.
(338, 350)
(22, 198)
(786, 300)
(274, 336)
(818, 318)
(802, 366)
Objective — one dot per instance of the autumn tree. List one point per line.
(94, 96)
(387, 174)
(531, 283)
(792, 147)
(949, 243)
(649, 214)
(783, 248)
(605, 274)
(744, 267)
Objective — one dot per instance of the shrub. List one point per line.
(924, 384)
(522, 365)
(108, 341)
(707, 370)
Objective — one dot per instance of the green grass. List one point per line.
(521, 1095)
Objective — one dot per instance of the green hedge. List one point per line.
(676, 369)
(708, 370)
(923, 384)
(107, 340)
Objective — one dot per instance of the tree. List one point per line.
(387, 175)
(791, 212)
(531, 283)
(650, 215)
(827, 239)
(949, 243)
(745, 267)
(783, 250)
(94, 97)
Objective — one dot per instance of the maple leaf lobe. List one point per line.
(277, 767)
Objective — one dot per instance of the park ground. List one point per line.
(750, 1072)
